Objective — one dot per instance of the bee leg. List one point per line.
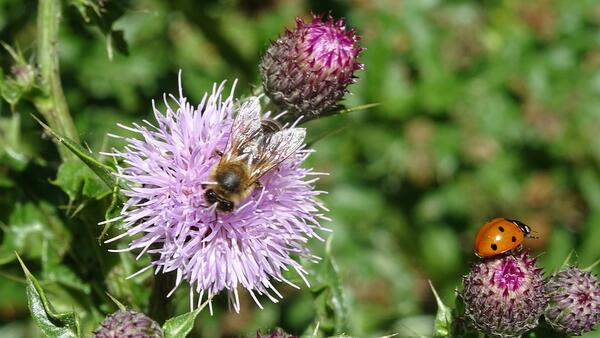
(216, 217)
(218, 152)
(258, 184)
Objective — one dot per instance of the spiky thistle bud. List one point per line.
(128, 324)
(307, 70)
(504, 295)
(24, 75)
(574, 301)
(277, 333)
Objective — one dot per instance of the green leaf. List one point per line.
(335, 111)
(11, 92)
(329, 296)
(131, 290)
(113, 210)
(103, 171)
(103, 15)
(55, 271)
(51, 323)
(12, 152)
(180, 326)
(116, 39)
(343, 110)
(30, 227)
(443, 318)
(76, 179)
(6, 181)
(120, 305)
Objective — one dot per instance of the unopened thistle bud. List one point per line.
(574, 301)
(24, 75)
(504, 295)
(128, 324)
(307, 70)
(277, 333)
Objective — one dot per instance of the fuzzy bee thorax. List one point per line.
(232, 177)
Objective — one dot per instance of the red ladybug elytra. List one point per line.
(500, 235)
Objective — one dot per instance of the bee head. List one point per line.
(211, 196)
(223, 205)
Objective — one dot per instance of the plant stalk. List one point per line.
(160, 308)
(52, 103)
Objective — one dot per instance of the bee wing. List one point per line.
(245, 129)
(275, 150)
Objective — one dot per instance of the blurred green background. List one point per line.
(487, 109)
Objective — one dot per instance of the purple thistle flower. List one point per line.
(307, 70)
(504, 294)
(166, 213)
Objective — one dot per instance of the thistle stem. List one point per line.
(160, 305)
(52, 104)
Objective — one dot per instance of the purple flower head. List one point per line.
(307, 70)
(277, 333)
(328, 46)
(574, 301)
(128, 324)
(168, 168)
(504, 294)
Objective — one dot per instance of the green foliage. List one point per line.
(104, 14)
(181, 325)
(51, 323)
(33, 231)
(76, 179)
(329, 298)
(442, 327)
(71, 175)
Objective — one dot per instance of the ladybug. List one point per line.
(500, 235)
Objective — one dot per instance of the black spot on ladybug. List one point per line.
(501, 229)
(514, 239)
(494, 247)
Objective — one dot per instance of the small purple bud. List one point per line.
(307, 70)
(24, 75)
(277, 333)
(574, 301)
(128, 324)
(504, 294)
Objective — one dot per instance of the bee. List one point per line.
(255, 147)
